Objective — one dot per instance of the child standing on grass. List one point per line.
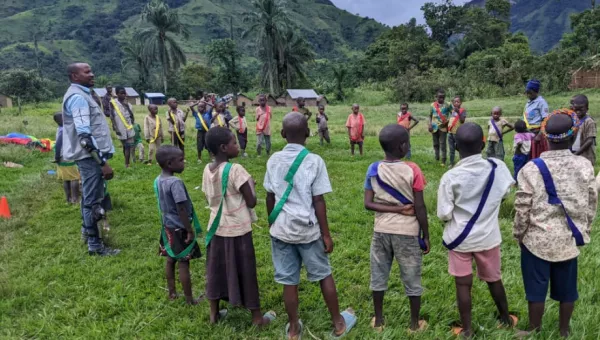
(241, 128)
(65, 171)
(203, 119)
(521, 146)
(263, 125)
(585, 142)
(550, 224)
(139, 144)
(178, 239)
(404, 119)
(301, 107)
(176, 119)
(458, 117)
(469, 199)
(322, 125)
(438, 125)
(394, 190)
(230, 258)
(496, 130)
(356, 129)
(153, 132)
(221, 117)
(296, 181)
(123, 120)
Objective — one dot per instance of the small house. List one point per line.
(310, 97)
(155, 98)
(5, 101)
(585, 79)
(271, 101)
(133, 97)
(243, 100)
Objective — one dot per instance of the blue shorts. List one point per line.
(288, 259)
(539, 273)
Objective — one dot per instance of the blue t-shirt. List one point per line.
(206, 117)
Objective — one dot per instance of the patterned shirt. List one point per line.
(236, 218)
(297, 223)
(586, 130)
(542, 227)
(535, 111)
(436, 120)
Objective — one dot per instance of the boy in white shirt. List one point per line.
(469, 199)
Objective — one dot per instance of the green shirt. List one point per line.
(137, 139)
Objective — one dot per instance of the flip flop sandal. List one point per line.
(296, 337)
(270, 315)
(377, 329)
(457, 330)
(350, 321)
(513, 318)
(422, 327)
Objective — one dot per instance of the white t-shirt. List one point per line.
(459, 195)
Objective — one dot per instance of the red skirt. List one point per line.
(537, 147)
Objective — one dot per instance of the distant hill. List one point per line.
(92, 31)
(543, 21)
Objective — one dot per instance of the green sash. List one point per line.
(289, 178)
(165, 240)
(215, 224)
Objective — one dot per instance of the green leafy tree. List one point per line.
(267, 21)
(25, 86)
(158, 43)
(443, 19)
(135, 57)
(224, 53)
(339, 74)
(294, 54)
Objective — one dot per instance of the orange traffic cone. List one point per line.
(4, 209)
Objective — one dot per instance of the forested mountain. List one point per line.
(95, 31)
(543, 21)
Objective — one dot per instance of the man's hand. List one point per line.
(406, 210)
(426, 251)
(189, 238)
(328, 244)
(107, 172)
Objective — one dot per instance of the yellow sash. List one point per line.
(221, 124)
(176, 128)
(203, 123)
(156, 130)
(127, 126)
(529, 127)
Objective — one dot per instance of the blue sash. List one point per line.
(496, 129)
(554, 200)
(486, 192)
(396, 194)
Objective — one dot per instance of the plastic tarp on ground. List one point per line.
(44, 145)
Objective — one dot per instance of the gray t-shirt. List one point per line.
(171, 191)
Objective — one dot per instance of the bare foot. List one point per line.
(173, 296)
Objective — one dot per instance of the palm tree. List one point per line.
(294, 53)
(339, 74)
(158, 44)
(268, 21)
(136, 58)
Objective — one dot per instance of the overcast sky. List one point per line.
(389, 12)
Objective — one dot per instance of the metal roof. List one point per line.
(130, 92)
(154, 95)
(306, 94)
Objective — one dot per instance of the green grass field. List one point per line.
(50, 288)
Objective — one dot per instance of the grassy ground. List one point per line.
(50, 288)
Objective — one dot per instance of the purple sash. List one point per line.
(554, 200)
(394, 193)
(496, 129)
(486, 192)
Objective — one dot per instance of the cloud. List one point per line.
(389, 12)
